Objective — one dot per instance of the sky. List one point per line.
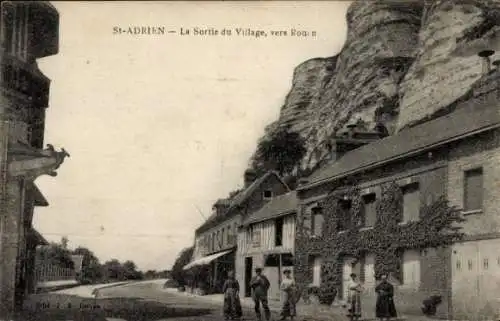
(161, 126)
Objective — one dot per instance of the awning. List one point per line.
(205, 260)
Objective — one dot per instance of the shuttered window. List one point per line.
(411, 202)
(370, 210)
(410, 272)
(317, 221)
(315, 262)
(344, 219)
(473, 189)
(278, 231)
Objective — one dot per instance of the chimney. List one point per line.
(249, 177)
(220, 207)
(485, 54)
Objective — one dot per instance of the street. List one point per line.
(139, 301)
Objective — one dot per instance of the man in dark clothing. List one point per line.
(260, 285)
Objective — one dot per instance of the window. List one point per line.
(368, 269)
(287, 259)
(222, 236)
(411, 202)
(317, 221)
(278, 231)
(485, 264)
(213, 241)
(230, 235)
(370, 210)
(459, 265)
(410, 267)
(315, 267)
(272, 260)
(342, 222)
(219, 243)
(473, 190)
(255, 237)
(267, 194)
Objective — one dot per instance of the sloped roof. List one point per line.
(474, 116)
(40, 200)
(239, 199)
(279, 206)
(242, 196)
(35, 237)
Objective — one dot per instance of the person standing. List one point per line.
(385, 307)
(232, 304)
(288, 289)
(354, 298)
(260, 285)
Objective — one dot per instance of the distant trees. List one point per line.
(56, 254)
(91, 267)
(184, 257)
(153, 274)
(282, 151)
(114, 270)
(92, 271)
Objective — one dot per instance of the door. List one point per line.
(248, 276)
(350, 266)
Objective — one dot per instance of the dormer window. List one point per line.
(267, 194)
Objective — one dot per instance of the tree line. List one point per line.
(93, 271)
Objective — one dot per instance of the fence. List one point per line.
(49, 272)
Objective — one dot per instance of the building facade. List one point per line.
(216, 240)
(266, 239)
(28, 31)
(381, 209)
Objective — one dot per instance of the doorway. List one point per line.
(248, 276)
(351, 265)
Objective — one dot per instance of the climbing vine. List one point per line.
(343, 238)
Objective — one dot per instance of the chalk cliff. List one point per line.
(402, 62)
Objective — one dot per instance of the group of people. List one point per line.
(385, 308)
(260, 287)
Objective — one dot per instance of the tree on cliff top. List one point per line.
(282, 152)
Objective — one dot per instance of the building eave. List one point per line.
(270, 218)
(397, 158)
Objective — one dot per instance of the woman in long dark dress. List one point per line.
(385, 307)
(232, 304)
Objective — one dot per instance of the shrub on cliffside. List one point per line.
(281, 152)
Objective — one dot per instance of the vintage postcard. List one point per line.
(250, 160)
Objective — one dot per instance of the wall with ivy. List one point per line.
(435, 229)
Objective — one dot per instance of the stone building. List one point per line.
(377, 207)
(266, 239)
(216, 239)
(29, 30)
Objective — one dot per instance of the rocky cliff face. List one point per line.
(402, 62)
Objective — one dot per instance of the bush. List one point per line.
(326, 294)
(429, 305)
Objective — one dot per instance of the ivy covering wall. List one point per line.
(436, 227)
